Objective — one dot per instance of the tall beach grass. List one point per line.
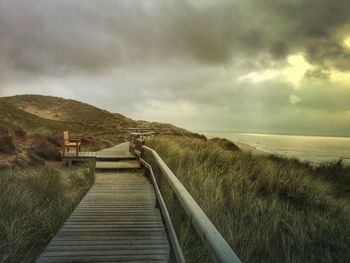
(269, 209)
(34, 203)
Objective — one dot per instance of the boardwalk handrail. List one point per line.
(218, 248)
(174, 241)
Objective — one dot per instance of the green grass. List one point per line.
(269, 209)
(34, 203)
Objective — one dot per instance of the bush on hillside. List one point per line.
(45, 149)
(7, 146)
(225, 144)
(338, 174)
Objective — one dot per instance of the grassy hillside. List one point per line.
(34, 203)
(269, 209)
(34, 112)
(71, 111)
(11, 114)
(42, 119)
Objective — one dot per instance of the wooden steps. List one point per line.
(118, 159)
(71, 157)
(116, 221)
(117, 165)
(114, 156)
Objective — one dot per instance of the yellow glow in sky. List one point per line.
(296, 69)
(339, 76)
(293, 72)
(347, 42)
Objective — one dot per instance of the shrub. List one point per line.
(225, 144)
(7, 145)
(338, 175)
(45, 149)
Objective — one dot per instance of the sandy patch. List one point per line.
(42, 113)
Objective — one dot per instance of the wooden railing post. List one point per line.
(140, 144)
(77, 149)
(159, 179)
(131, 141)
(176, 215)
(137, 143)
(176, 220)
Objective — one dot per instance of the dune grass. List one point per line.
(34, 203)
(269, 209)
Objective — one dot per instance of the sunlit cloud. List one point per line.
(339, 76)
(292, 72)
(296, 69)
(260, 76)
(347, 42)
(294, 99)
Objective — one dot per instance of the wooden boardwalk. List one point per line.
(116, 221)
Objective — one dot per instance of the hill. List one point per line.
(31, 127)
(59, 110)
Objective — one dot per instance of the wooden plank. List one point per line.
(112, 155)
(105, 258)
(107, 252)
(112, 221)
(80, 155)
(118, 165)
(109, 238)
(97, 234)
(114, 227)
(111, 242)
(102, 247)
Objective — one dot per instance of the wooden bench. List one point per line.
(69, 143)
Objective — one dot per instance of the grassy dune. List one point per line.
(269, 209)
(34, 203)
(43, 118)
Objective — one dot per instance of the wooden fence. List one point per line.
(182, 203)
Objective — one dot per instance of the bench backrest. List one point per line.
(65, 136)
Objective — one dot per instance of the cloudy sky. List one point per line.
(277, 66)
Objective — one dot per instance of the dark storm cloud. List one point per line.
(61, 36)
(316, 27)
(317, 74)
(183, 61)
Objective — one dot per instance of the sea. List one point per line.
(313, 149)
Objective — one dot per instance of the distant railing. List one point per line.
(139, 130)
(136, 141)
(218, 249)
